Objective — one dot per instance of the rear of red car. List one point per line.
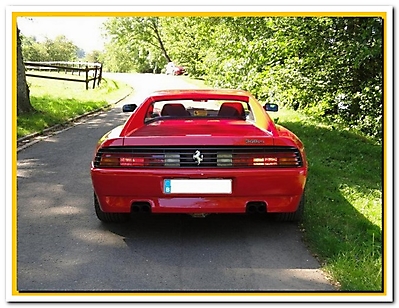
(228, 175)
(199, 166)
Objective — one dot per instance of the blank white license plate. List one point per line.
(197, 186)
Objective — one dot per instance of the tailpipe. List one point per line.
(141, 208)
(256, 207)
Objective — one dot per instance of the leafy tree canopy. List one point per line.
(59, 49)
(327, 66)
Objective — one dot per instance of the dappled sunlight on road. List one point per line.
(291, 278)
(64, 210)
(114, 118)
(97, 237)
(26, 166)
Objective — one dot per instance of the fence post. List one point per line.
(87, 77)
(100, 76)
(95, 76)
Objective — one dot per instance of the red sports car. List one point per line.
(199, 152)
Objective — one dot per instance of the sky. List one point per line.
(84, 32)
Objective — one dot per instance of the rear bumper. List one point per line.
(280, 189)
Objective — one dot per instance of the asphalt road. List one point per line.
(63, 247)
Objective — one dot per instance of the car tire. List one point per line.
(293, 216)
(108, 217)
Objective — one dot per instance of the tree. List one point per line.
(93, 56)
(117, 58)
(190, 41)
(61, 49)
(32, 50)
(80, 53)
(326, 66)
(141, 38)
(23, 99)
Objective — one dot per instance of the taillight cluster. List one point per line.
(126, 160)
(216, 159)
(278, 159)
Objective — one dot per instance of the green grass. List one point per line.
(343, 215)
(57, 101)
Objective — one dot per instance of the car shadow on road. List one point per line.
(224, 236)
(222, 252)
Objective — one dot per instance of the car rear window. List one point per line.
(181, 109)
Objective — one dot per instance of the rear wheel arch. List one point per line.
(293, 216)
(108, 217)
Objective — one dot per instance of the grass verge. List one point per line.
(57, 101)
(343, 214)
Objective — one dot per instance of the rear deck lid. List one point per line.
(195, 132)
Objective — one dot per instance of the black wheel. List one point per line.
(294, 216)
(108, 217)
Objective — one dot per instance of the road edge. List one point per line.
(31, 139)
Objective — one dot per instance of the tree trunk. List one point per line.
(23, 99)
(159, 39)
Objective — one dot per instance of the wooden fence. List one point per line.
(92, 71)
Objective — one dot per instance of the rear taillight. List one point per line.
(125, 160)
(265, 161)
(288, 161)
(131, 161)
(108, 161)
(272, 159)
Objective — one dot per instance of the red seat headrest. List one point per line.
(230, 109)
(174, 110)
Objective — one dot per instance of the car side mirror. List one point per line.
(271, 107)
(129, 107)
